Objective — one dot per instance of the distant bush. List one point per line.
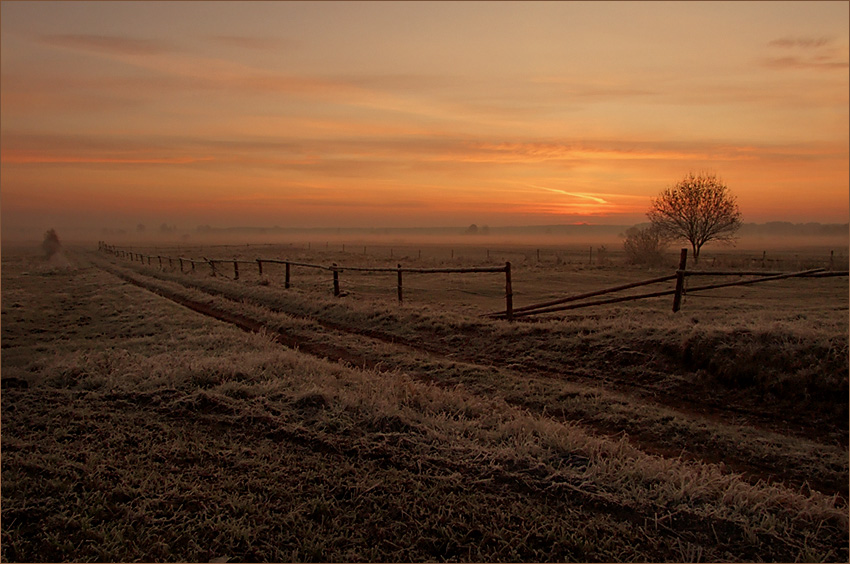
(645, 245)
(51, 244)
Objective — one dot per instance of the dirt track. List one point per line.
(688, 402)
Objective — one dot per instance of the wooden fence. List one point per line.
(677, 293)
(509, 313)
(335, 269)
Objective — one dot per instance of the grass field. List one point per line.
(136, 425)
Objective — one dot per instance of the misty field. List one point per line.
(158, 415)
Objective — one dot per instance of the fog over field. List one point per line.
(778, 235)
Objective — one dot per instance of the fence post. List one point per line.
(336, 280)
(193, 266)
(286, 280)
(235, 269)
(831, 259)
(160, 262)
(680, 280)
(400, 297)
(170, 264)
(509, 293)
(212, 265)
(181, 264)
(260, 266)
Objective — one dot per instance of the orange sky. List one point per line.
(399, 114)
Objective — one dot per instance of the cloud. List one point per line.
(817, 63)
(108, 44)
(801, 42)
(817, 53)
(387, 156)
(253, 43)
(595, 199)
(594, 89)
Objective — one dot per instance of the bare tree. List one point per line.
(697, 209)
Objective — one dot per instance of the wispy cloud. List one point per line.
(801, 42)
(248, 42)
(817, 53)
(22, 157)
(357, 156)
(109, 44)
(816, 63)
(573, 194)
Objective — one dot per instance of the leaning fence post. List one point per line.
(235, 269)
(336, 280)
(400, 297)
(680, 280)
(286, 280)
(509, 293)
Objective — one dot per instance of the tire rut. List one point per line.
(751, 471)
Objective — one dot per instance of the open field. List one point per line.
(138, 426)
(545, 271)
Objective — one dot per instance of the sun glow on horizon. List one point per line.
(248, 117)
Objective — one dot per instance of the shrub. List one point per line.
(51, 244)
(645, 245)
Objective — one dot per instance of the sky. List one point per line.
(402, 114)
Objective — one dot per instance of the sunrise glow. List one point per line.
(384, 114)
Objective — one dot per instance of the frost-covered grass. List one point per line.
(150, 432)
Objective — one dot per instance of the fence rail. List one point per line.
(334, 268)
(681, 274)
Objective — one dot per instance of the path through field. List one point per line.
(148, 431)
